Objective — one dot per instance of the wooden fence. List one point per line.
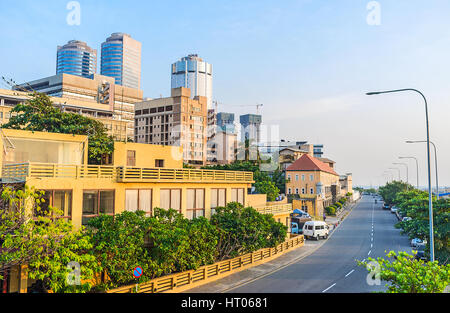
(189, 279)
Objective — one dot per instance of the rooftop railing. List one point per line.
(275, 209)
(22, 171)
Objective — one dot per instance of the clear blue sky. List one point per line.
(310, 62)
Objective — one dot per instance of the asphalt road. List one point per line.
(368, 231)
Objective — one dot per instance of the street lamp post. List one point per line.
(391, 178)
(435, 162)
(396, 168)
(417, 168)
(430, 199)
(407, 174)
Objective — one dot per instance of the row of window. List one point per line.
(96, 202)
(154, 110)
(311, 191)
(311, 177)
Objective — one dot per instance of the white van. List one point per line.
(315, 229)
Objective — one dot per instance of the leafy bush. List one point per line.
(331, 210)
(404, 274)
(338, 204)
(243, 230)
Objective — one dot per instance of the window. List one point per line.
(296, 190)
(303, 191)
(60, 199)
(171, 199)
(303, 177)
(289, 191)
(237, 195)
(218, 198)
(96, 202)
(195, 203)
(159, 163)
(289, 177)
(311, 190)
(296, 177)
(138, 199)
(131, 158)
(311, 177)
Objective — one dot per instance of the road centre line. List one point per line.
(349, 273)
(329, 287)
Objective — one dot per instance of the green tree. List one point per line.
(243, 230)
(414, 204)
(119, 245)
(390, 190)
(36, 237)
(268, 187)
(404, 274)
(40, 114)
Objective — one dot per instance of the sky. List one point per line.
(310, 62)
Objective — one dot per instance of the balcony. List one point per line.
(21, 172)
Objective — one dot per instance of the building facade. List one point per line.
(97, 96)
(193, 73)
(175, 121)
(76, 58)
(251, 127)
(310, 176)
(121, 59)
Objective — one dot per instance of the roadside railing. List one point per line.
(208, 273)
(21, 171)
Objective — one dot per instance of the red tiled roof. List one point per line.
(309, 163)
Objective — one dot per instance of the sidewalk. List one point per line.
(334, 221)
(235, 280)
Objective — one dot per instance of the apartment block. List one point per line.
(177, 120)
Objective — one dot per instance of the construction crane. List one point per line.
(216, 103)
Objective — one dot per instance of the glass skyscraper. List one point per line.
(193, 73)
(121, 59)
(76, 58)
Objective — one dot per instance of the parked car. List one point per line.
(394, 209)
(406, 218)
(419, 253)
(316, 230)
(386, 206)
(417, 242)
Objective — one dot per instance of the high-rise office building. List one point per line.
(76, 58)
(100, 97)
(121, 59)
(251, 127)
(225, 122)
(193, 73)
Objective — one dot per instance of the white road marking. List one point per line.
(329, 287)
(349, 273)
(371, 245)
(369, 252)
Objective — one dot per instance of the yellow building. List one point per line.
(141, 176)
(312, 177)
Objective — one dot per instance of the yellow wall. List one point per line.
(15, 133)
(325, 178)
(146, 154)
(257, 200)
(78, 185)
